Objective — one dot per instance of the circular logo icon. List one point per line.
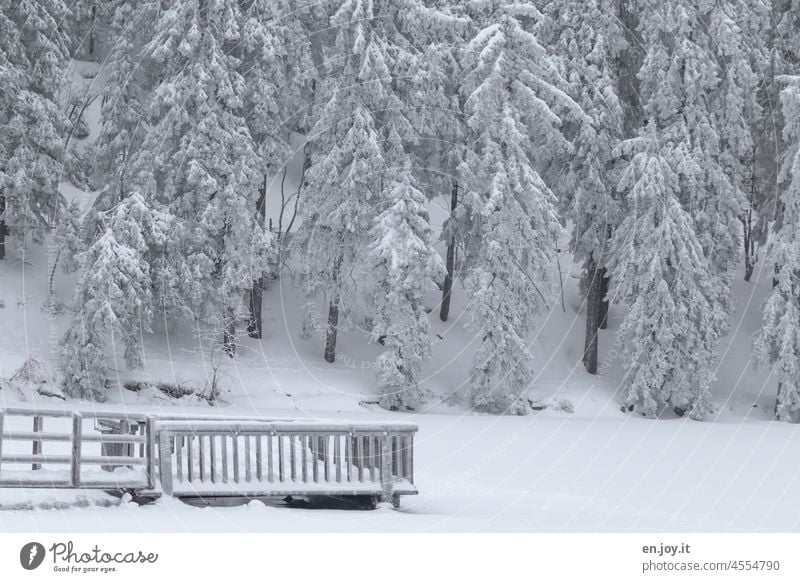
(31, 555)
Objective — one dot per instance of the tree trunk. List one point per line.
(333, 315)
(255, 325)
(594, 313)
(749, 246)
(92, 30)
(3, 227)
(604, 282)
(330, 337)
(229, 334)
(447, 288)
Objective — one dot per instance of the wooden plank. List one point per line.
(293, 469)
(360, 457)
(39, 459)
(190, 457)
(224, 446)
(410, 473)
(280, 459)
(387, 481)
(247, 471)
(348, 456)
(201, 458)
(77, 433)
(38, 423)
(213, 458)
(235, 439)
(324, 440)
(165, 462)
(112, 460)
(259, 460)
(270, 476)
(108, 438)
(151, 452)
(337, 457)
(179, 457)
(42, 436)
(305, 443)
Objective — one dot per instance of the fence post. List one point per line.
(77, 431)
(165, 461)
(2, 417)
(37, 445)
(386, 469)
(150, 453)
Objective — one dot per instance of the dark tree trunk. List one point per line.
(333, 316)
(749, 246)
(92, 30)
(255, 325)
(330, 336)
(3, 227)
(594, 313)
(229, 333)
(447, 288)
(604, 282)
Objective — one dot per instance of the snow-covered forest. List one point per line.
(179, 170)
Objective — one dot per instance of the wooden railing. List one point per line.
(70, 440)
(203, 456)
(285, 458)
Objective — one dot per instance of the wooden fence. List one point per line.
(205, 457)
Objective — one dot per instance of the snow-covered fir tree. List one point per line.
(113, 302)
(513, 225)
(199, 162)
(778, 342)
(659, 270)
(405, 266)
(360, 166)
(279, 74)
(589, 41)
(33, 59)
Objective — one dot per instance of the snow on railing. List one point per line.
(205, 456)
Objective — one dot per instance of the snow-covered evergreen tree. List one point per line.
(199, 162)
(33, 58)
(778, 342)
(513, 225)
(589, 40)
(113, 298)
(405, 266)
(659, 269)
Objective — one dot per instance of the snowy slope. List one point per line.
(577, 465)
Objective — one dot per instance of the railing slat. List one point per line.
(200, 458)
(2, 419)
(269, 459)
(213, 458)
(247, 470)
(190, 458)
(165, 462)
(304, 444)
(259, 460)
(293, 469)
(77, 432)
(224, 458)
(235, 438)
(151, 452)
(280, 459)
(179, 457)
(337, 453)
(360, 457)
